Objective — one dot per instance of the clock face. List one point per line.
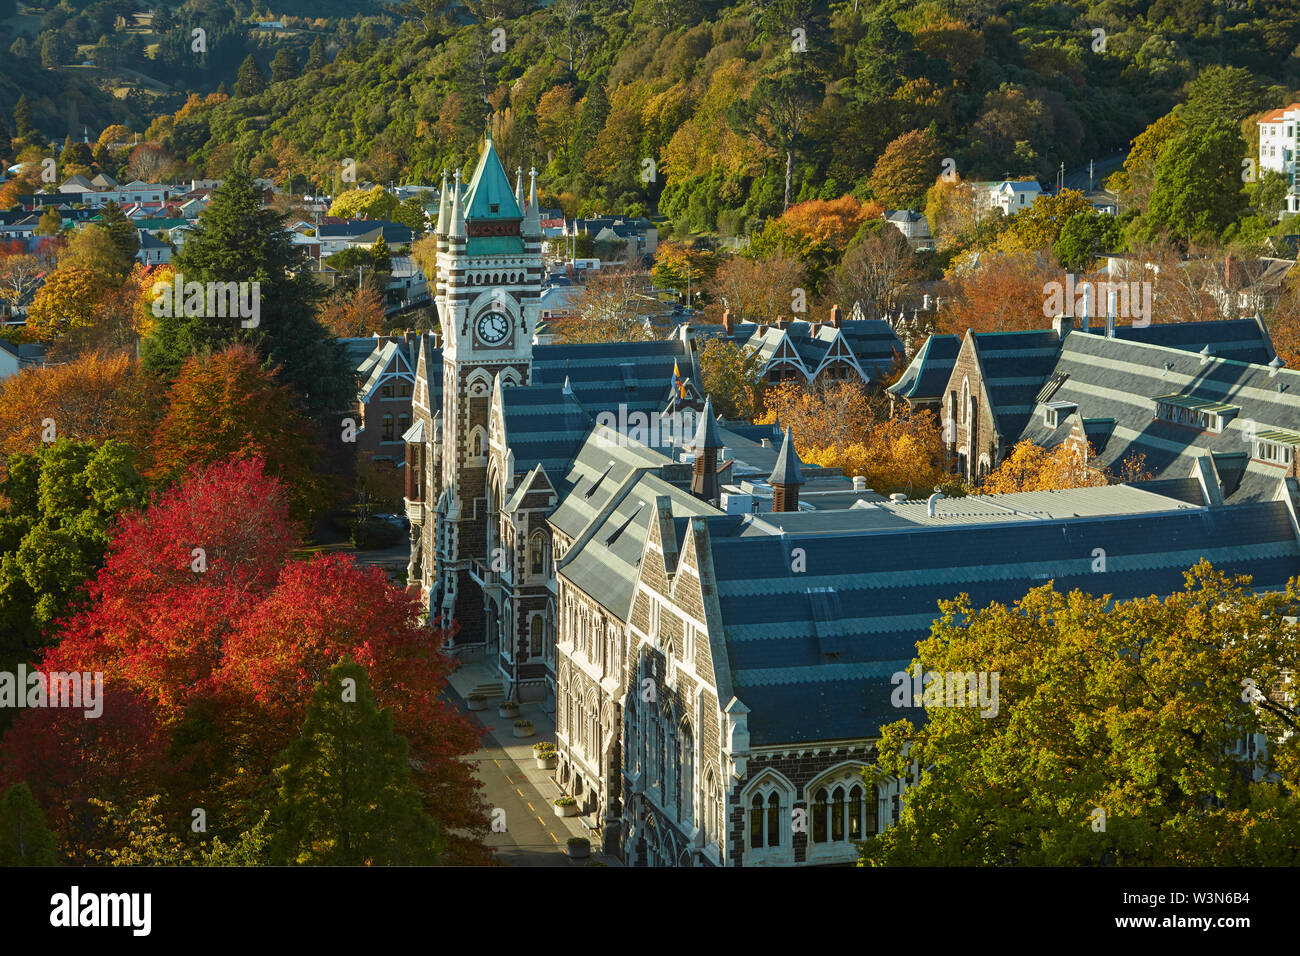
(492, 328)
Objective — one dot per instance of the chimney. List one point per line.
(780, 321)
(1228, 271)
(786, 477)
(836, 320)
(1062, 325)
(859, 483)
(1087, 306)
(728, 322)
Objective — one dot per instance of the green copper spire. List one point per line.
(490, 195)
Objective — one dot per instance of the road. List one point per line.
(1102, 167)
(529, 838)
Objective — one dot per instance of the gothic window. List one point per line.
(686, 787)
(965, 402)
(386, 428)
(403, 423)
(712, 800)
(756, 828)
(535, 636)
(773, 819)
(843, 810)
(537, 559)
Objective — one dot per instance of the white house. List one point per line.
(1011, 197)
(1279, 136)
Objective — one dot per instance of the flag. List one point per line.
(678, 383)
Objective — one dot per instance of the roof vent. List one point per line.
(859, 483)
(1274, 365)
(1206, 354)
(898, 498)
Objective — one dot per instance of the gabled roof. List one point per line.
(808, 675)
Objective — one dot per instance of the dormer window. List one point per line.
(1276, 446)
(1204, 414)
(1053, 412)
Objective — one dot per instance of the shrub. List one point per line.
(523, 723)
(565, 801)
(579, 841)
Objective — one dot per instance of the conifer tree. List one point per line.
(346, 796)
(250, 80)
(24, 839)
(236, 240)
(122, 230)
(316, 56)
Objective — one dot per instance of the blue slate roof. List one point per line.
(816, 665)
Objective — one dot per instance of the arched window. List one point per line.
(386, 428)
(537, 553)
(403, 423)
(535, 636)
(773, 819)
(965, 401)
(756, 829)
(855, 812)
(837, 814)
(687, 786)
(820, 813)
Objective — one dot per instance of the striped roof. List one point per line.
(811, 653)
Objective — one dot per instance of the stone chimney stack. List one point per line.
(728, 322)
(836, 320)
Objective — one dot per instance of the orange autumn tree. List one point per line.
(92, 398)
(226, 406)
(998, 292)
(1032, 467)
(836, 425)
(354, 313)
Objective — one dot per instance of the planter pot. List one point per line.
(547, 763)
(570, 811)
(476, 704)
(504, 711)
(579, 852)
(524, 731)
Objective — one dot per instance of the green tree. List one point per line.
(1220, 93)
(1135, 710)
(250, 80)
(1198, 189)
(49, 224)
(379, 253)
(6, 144)
(236, 240)
(776, 113)
(24, 128)
(284, 65)
(61, 505)
(346, 797)
(1085, 236)
(733, 378)
(122, 230)
(1269, 197)
(316, 55)
(24, 839)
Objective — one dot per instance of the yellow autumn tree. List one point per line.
(1032, 467)
(837, 425)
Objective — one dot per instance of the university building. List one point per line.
(716, 623)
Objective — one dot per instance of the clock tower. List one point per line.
(487, 288)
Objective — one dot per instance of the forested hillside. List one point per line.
(657, 105)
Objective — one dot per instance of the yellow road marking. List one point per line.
(531, 807)
(521, 794)
(511, 779)
(541, 821)
(554, 837)
(497, 762)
